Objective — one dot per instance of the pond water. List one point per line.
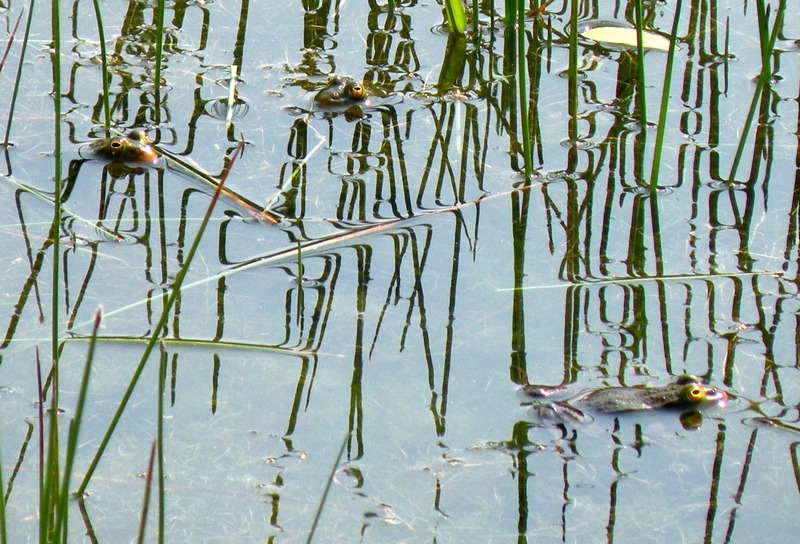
(418, 275)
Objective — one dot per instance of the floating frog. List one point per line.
(687, 393)
(133, 148)
(340, 93)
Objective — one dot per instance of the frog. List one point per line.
(132, 148)
(687, 394)
(340, 93)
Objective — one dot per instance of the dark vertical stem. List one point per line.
(159, 57)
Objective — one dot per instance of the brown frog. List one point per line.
(340, 93)
(687, 393)
(133, 148)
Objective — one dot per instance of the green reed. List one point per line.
(327, 488)
(159, 16)
(74, 430)
(664, 106)
(767, 39)
(456, 19)
(641, 80)
(18, 77)
(3, 530)
(162, 379)
(103, 66)
(148, 482)
(160, 326)
(522, 88)
(49, 469)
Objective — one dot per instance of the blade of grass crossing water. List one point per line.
(325, 491)
(662, 115)
(160, 325)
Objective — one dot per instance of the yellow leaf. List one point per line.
(626, 36)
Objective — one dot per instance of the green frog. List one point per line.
(687, 393)
(133, 148)
(340, 92)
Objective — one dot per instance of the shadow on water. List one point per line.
(465, 232)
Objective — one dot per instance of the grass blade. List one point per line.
(103, 66)
(767, 47)
(456, 19)
(147, 486)
(74, 427)
(10, 40)
(176, 287)
(327, 489)
(641, 83)
(18, 77)
(662, 115)
(159, 54)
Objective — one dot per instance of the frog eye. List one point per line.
(118, 145)
(694, 393)
(357, 91)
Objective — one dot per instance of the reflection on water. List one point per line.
(416, 275)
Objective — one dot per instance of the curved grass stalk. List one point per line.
(314, 246)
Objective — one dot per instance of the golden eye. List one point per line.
(694, 393)
(118, 145)
(357, 91)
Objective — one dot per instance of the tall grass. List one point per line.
(662, 116)
(766, 38)
(56, 467)
(155, 337)
(49, 514)
(456, 19)
(101, 33)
